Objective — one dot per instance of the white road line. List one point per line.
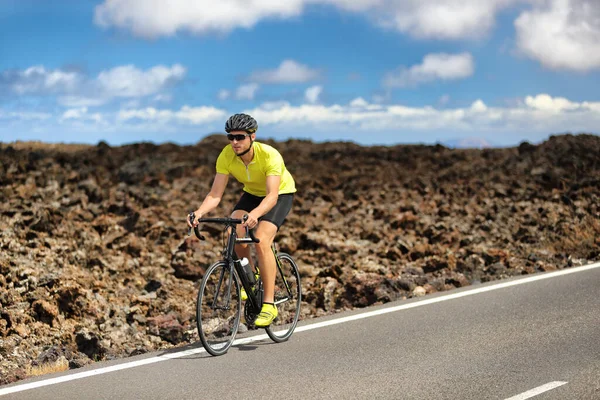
(368, 314)
(538, 390)
(471, 292)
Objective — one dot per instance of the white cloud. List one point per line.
(445, 19)
(357, 5)
(76, 90)
(592, 106)
(561, 34)
(381, 98)
(530, 118)
(74, 113)
(134, 103)
(274, 105)
(441, 19)
(81, 114)
(129, 81)
(223, 94)
(312, 94)
(431, 19)
(39, 80)
(359, 102)
(246, 92)
(81, 101)
(162, 98)
(540, 113)
(24, 115)
(434, 66)
(187, 114)
(545, 102)
(289, 71)
(443, 100)
(478, 106)
(152, 18)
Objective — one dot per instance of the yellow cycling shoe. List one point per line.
(268, 313)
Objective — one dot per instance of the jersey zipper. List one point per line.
(248, 170)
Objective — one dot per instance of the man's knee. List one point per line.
(264, 246)
(265, 232)
(238, 213)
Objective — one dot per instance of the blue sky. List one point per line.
(369, 71)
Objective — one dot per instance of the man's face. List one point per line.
(240, 141)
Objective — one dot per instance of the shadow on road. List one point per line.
(197, 351)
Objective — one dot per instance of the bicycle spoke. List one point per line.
(218, 309)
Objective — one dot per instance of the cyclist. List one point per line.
(267, 198)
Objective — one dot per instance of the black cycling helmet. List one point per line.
(241, 122)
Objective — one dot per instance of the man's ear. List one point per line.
(253, 137)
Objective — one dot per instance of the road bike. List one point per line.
(219, 302)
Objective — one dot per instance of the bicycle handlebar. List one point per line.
(250, 238)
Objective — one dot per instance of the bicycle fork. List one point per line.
(227, 306)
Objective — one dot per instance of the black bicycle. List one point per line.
(219, 303)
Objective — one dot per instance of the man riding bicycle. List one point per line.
(267, 198)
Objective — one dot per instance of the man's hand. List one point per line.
(197, 216)
(252, 220)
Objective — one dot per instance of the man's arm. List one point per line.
(267, 203)
(213, 198)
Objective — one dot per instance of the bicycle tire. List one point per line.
(218, 308)
(288, 307)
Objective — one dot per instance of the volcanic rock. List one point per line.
(95, 261)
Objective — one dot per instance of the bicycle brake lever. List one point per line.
(191, 217)
(249, 232)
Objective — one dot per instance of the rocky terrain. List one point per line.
(95, 260)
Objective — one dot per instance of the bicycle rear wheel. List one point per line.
(218, 308)
(288, 296)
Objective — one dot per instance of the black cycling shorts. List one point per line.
(249, 202)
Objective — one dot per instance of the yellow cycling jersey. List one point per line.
(266, 162)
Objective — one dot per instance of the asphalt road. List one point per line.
(481, 342)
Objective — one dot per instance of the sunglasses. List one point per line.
(239, 138)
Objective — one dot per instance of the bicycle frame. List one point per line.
(230, 257)
(254, 297)
(217, 339)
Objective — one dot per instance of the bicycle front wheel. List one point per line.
(288, 296)
(218, 308)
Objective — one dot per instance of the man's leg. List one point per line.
(266, 232)
(242, 250)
